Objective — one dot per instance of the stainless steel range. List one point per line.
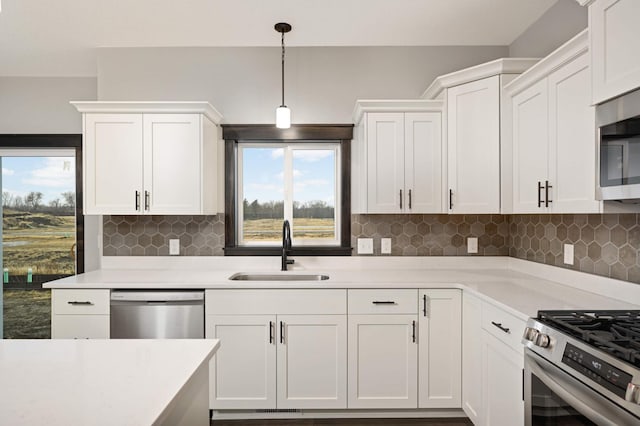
(582, 368)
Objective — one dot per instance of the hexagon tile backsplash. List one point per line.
(604, 244)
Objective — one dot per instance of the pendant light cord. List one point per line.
(282, 42)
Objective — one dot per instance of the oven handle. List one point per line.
(576, 403)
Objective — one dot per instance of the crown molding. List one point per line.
(478, 72)
(177, 107)
(585, 2)
(566, 53)
(394, 105)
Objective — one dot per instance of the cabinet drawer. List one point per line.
(503, 325)
(80, 327)
(80, 302)
(265, 302)
(383, 301)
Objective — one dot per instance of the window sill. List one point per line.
(295, 251)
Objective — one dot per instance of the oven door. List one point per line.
(553, 397)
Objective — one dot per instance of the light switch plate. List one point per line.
(385, 245)
(365, 245)
(568, 254)
(472, 245)
(174, 247)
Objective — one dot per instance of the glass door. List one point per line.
(38, 235)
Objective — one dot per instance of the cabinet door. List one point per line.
(614, 33)
(312, 361)
(472, 357)
(502, 383)
(439, 349)
(473, 139)
(572, 140)
(80, 326)
(382, 361)
(243, 371)
(112, 163)
(423, 162)
(385, 162)
(172, 164)
(530, 147)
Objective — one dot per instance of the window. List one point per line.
(274, 175)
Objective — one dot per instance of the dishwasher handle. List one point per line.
(167, 296)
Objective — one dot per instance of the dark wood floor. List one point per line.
(345, 422)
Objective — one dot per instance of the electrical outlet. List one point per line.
(568, 254)
(472, 245)
(385, 245)
(365, 245)
(174, 247)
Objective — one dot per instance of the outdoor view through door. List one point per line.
(38, 234)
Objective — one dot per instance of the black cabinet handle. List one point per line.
(281, 332)
(137, 200)
(383, 302)
(401, 198)
(409, 199)
(451, 199)
(546, 193)
(413, 334)
(147, 194)
(499, 325)
(424, 305)
(539, 194)
(270, 332)
(80, 303)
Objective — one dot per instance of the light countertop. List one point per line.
(523, 294)
(95, 382)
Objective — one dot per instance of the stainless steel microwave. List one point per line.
(618, 121)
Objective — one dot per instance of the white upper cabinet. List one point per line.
(149, 158)
(473, 146)
(614, 47)
(473, 99)
(553, 134)
(397, 160)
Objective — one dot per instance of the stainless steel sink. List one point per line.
(278, 277)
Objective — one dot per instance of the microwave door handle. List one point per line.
(563, 393)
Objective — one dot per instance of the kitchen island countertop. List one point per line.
(102, 382)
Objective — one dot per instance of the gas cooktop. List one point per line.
(615, 332)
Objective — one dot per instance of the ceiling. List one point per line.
(45, 37)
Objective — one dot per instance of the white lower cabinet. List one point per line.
(501, 383)
(383, 361)
(492, 364)
(288, 356)
(439, 349)
(243, 373)
(79, 314)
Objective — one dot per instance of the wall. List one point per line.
(561, 22)
(322, 83)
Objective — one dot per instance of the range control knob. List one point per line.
(542, 340)
(633, 393)
(530, 334)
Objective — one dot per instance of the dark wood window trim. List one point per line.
(58, 141)
(232, 134)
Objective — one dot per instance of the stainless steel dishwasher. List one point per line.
(169, 314)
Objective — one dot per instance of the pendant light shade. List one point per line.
(283, 114)
(283, 117)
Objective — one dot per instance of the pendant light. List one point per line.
(283, 114)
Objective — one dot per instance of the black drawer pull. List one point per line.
(383, 302)
(499, 325)
(80, 303)
(271, 331)
(282, 332)
(413, 334)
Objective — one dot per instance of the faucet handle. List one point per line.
(291, 261)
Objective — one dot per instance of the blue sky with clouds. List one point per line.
(49, 175)
(313, 175)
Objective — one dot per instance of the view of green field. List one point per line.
(264, 230)
(44, 243)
